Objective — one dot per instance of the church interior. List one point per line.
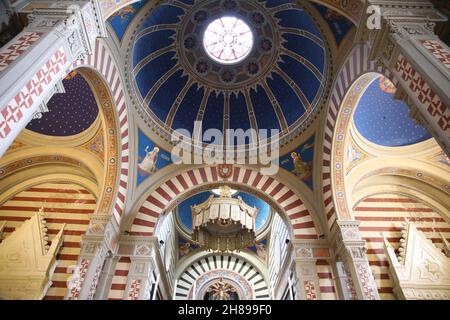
(351, 97)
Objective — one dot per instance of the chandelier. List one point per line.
(224, 223)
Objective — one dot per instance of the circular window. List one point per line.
(228, 40)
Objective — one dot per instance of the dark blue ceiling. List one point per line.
(185, 215)
(385, 121)
(69, 113)
(172, 84)
(122, 18)
(339, 24)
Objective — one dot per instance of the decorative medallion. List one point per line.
(225, 170)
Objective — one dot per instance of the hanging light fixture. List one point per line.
(224, 223)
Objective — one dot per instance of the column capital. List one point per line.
(310, 250)
(79, 22)
(354, 269)
(144, 273)
(102, 228)
(398, 19)
(138, 247)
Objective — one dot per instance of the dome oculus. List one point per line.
(228, 40)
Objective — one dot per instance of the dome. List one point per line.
(70, 113)
(275, 83)
(385, 121)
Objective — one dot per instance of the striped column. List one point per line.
(310, 257)
(95, 245)
(350, 250)
(106, 278)
(143, 271)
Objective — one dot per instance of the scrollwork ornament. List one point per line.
(430, 26)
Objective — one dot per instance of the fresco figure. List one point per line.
(184, 249)
(301, 168)
(148, 165)
(122, 13)
(261, 250)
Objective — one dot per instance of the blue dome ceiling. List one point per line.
(385, 121)
(276, 87)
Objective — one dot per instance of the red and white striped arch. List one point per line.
(103, 62)
(282, 198)
(356, 65)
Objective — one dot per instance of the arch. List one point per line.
(13, 162)
(102, 61)
(348, 86)
(18, 174)
(382, 210)
(202, 264)
(418, 191)
(69, 177)
(163, 196)
(110, 7)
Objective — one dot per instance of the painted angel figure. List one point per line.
(185, 249)
(301, 168)
(148, 165)
(261, 250)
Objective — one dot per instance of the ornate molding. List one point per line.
(421, 270)
(78, 22)
(27, 261)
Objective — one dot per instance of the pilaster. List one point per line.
(306, 254)
(352, 265)
(32, 64)
(144, 273)
(98, 243)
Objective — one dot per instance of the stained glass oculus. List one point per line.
(228, 40)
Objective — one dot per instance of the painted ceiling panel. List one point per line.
(188, 109)
(121, 19)
(153, 71)
(213, 117)
(266, 116)
(339, 24)
(289, 101)
(297, 19)
(167, 94)
(385, 121)
(69, 113)
(238, 112)
(152, 42)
